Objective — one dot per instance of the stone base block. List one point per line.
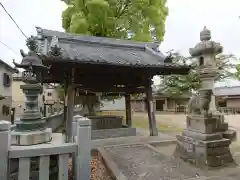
(230, 134)
(204, 124)
(31, 137)
(204, 154)
(201, 136)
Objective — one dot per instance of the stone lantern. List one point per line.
(205, 52)
(30, 129)
(205, 141)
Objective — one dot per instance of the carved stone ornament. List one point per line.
(23, 54)
(29, 76)
(32, 44)
(55, 49)
(199, 103)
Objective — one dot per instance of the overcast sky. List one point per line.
(185, 21)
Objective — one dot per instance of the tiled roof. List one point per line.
(7, 66)
(90, 49)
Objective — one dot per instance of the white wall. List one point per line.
(118, 104)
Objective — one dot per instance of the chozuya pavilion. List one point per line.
(97, 64)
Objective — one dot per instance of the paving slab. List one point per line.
(145, 162)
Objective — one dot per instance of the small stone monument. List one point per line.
(30, 129)
(206, 139)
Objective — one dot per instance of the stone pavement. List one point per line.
(145, 162)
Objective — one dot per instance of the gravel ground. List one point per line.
(98, 170)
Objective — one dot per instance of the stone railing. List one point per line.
(46, 161)
(229, 110)
(225, 110)
(108, 127)
(54, 121)
(175, 110)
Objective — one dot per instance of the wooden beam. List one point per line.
(128, 110)
(98, 79)
(151, 111)
(113, 78)
(157, 70)
(95, 89)
(65, 103)
(70, 109)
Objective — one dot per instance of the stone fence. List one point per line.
(54, 121)
(102, 126)
(229, 110)
(46, 161)
(108, 126)
(225, 110)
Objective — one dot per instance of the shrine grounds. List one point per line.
(173, 124)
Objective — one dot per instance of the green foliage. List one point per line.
(141, 20)
(177, 85)
(237, 71)
(226, 64)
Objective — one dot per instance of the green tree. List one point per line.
(237, 72)
(175, 86)
(140, 20)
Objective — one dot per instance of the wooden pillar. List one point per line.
(151, 112)
(65, 104)
(128, 110)
(70, 108)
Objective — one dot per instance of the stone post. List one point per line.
(5, 134)
(83, 170)
(75, 133)
(75, 125)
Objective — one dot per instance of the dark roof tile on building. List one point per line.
(8, 67)
(101, 50)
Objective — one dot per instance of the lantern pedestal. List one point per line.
(31, 137)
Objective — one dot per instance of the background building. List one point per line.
(227, 98)
(51, 101)
(6, 72)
